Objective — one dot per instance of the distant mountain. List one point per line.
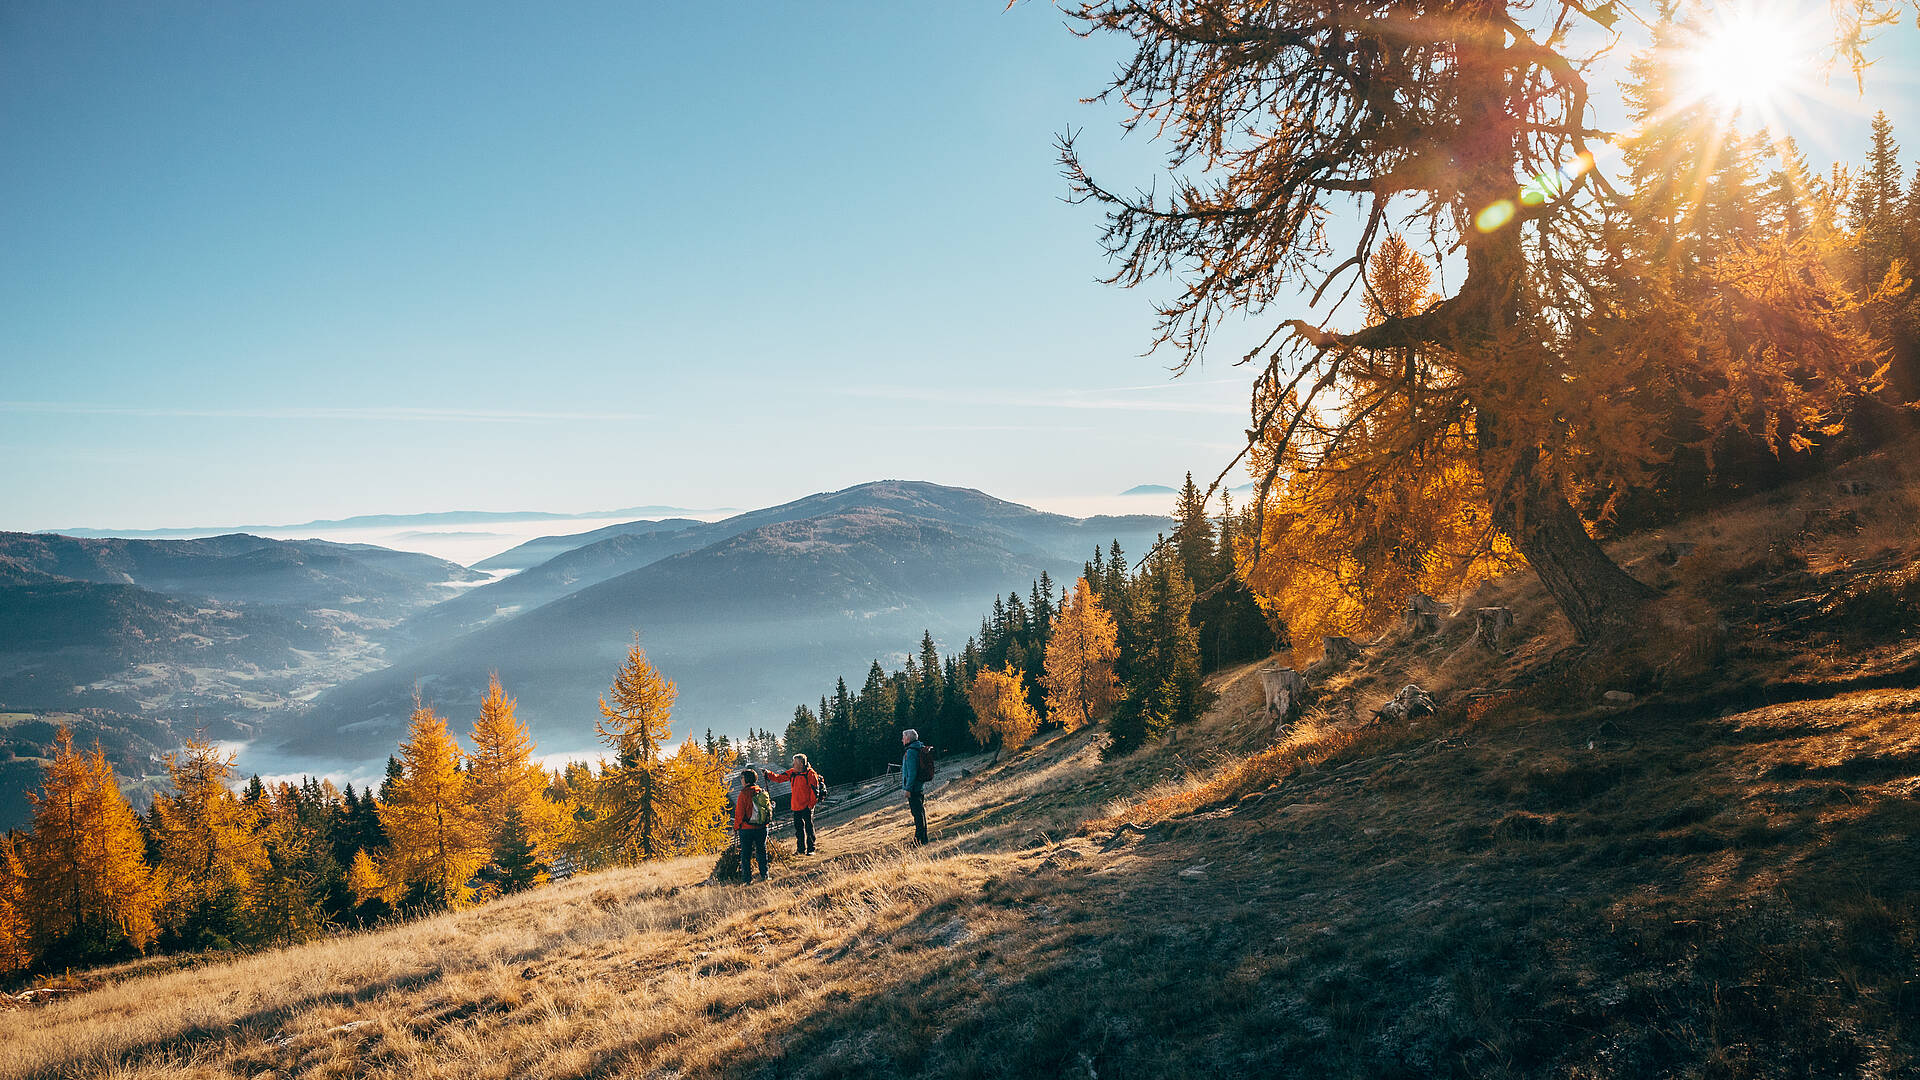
(764, 613)
(379, 521)
(1162, 489)
(242, 569)
(1027, 530)
(63, 641)
(540, 549)
(566, 572)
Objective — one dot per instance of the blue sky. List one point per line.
(279, 262)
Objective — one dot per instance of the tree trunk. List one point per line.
(1597, 597)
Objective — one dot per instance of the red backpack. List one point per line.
(925, 763)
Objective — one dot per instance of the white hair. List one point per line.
(800, 759)
(910, 734)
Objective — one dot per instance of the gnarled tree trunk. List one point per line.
(1596, 595)
(1599, 598)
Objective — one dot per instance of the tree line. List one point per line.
(1125, 643)
(209, 866)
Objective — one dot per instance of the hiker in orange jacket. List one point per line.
(807, 789)
(753, 836)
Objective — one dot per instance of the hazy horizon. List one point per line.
(469, 542)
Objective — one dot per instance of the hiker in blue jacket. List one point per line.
(913, 779)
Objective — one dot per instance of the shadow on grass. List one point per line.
(1679, 919)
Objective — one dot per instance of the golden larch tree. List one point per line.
(503, 776)
(16, 939)
(702, 807)
(1081, 651)
(1477, 125)
(1350, 528)
(1001, 710)
(635, 800)
(88, 888)
(439, 841)
(209, 852)
(364, 879)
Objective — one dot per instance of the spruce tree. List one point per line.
(803, 733)
(1193, 536)
(516, 864)
(956, 711)
(1163, 685)
(873, 718)
(1115, 593)
(929, 694)
(843, 741)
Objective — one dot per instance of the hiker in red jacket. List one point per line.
(807, 789)
(750, 819)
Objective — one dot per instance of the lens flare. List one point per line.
(1493, 217)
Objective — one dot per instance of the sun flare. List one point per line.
(1747, 62)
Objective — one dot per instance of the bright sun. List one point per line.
(1747, 63)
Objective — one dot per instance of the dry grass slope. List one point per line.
(1716, 881)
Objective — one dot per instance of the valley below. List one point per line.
(304, 656)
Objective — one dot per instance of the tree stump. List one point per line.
(1341, 650)
(1491, 625)
(1410, 702)
(1283, 687)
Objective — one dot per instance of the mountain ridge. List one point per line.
(765, 614)
(1057, 536)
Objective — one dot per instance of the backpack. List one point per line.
(926, 763)
(819, 784)
(762, 808)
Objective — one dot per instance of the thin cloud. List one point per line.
(1170, 384)
(373, 413)
(1065, 399)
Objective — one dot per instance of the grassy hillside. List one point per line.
(1716, 879)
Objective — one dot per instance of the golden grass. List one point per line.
(1311, 742)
